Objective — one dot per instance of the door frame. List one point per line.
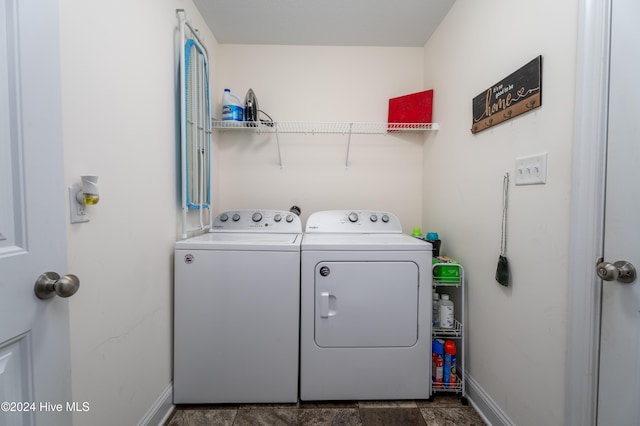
(587, 210)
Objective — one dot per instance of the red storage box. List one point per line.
(413, 108)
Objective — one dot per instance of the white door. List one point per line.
(619, 375)
(35, 371)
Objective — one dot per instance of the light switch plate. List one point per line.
(531, 170)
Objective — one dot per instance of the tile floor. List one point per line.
(445, 410)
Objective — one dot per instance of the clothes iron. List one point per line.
(251, 109)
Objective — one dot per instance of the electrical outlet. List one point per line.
(77, 210)
(531, 170)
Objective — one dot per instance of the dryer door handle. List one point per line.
(328, 304)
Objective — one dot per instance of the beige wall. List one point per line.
(119, 83)
(318, 84)
(517, 335)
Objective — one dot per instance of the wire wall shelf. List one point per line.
(313, 128)
(323, 127)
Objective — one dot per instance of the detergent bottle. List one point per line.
(435, 310)
(446, 312)
(437, 348)
(231, 106)
(449, 371)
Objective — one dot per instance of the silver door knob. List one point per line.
(621, 271)
(50, 283)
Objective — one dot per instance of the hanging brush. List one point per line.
(503, 276)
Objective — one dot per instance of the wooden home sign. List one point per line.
(518, 93)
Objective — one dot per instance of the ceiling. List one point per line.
(406, 23)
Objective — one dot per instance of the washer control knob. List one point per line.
(224, 217)
(277, 217)
(289, 218)
(353, 217)
(235, 217)
(374, 218)
(257, 217)
(385, 218)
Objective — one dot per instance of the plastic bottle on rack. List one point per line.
(437, 348)
(434, 239)
(232, 108)
(435, 321)
(449, 370)
(446, 312)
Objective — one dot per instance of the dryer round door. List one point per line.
(366, 304)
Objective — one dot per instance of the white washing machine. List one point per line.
(236, 310)
(365, 309)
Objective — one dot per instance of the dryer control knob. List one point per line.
(257, 217)
(289, 218)
(385, 218)
(235, 217)
(353, 217)
(374, 218)
(224, 217)
(277, 217)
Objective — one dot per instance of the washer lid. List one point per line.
(363, 242)
(242, 241)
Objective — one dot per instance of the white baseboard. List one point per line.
(484, 405)
(160, 410)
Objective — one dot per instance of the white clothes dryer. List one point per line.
(236, 310)
(365, 309)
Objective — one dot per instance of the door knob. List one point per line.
(50, 283)
(621, 270)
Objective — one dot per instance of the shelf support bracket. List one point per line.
(346, 163)
(278, 144)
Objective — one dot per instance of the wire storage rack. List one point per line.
(454, 287)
